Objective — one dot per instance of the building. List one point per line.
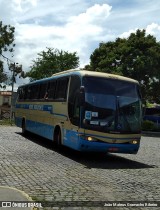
(5, 104)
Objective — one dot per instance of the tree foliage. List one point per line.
(6, 44)
(137, 57)
(52, 61)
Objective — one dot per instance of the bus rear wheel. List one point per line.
(57, 137)
(24, 131)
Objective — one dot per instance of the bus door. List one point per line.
(74, 112)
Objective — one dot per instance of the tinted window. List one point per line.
(28, 92)
(21, 93)
(51, 89)
(110, 87)
(62, 87)
(34, 91)
(42, 90)
(73, 105)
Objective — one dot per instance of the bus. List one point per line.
(84, 110)
(153, 114)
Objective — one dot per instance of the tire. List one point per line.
(57, 137)
(24, 131)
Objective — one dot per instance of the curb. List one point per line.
(10, 194)
(149, 133)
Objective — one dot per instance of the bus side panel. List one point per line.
(71, 139)
(18, 121)
(40, 129)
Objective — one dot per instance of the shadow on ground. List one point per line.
(90, 160)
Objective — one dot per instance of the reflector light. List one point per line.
(113, 149)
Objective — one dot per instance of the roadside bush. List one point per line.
(6, 122)
(148, 125)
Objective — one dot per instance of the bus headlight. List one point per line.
(88, 138)
(134, 141)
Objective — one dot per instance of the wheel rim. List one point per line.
(59, 138)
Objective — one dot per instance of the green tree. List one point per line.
(6, 44)
(3, 76)
(137, 57)
(52, 61)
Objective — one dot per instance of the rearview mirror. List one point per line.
(82, 96)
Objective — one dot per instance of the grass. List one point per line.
(7, 122)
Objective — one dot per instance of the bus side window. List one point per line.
(20, 94)
(51, 89)
(25, 92)
(34, 92)
(73, 105)
(28, 93)
(61, 90)
(42, 90)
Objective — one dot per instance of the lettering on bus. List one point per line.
(36, 107)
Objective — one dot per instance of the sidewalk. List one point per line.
(9, 196)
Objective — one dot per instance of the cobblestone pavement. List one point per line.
(33, 165)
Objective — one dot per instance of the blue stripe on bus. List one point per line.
(63, 115)
(38, 128)
(35, 107)
(41, 129)
(18, 121)
(87, 146)
(73, 140)
(47, 108)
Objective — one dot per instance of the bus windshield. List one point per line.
(112, 105)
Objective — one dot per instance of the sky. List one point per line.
(74, 25)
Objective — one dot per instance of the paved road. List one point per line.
(32, 165)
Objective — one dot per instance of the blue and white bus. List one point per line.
(83, 110)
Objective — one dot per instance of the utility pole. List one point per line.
(16, 69)
(13, 78)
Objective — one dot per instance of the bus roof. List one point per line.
(96, 74)
(85, 73)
